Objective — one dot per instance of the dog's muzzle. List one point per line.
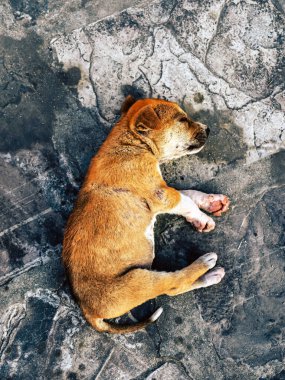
(202, 136)
(200, 139)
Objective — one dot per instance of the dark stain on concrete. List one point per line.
(198, 97)
(32, 339)
(84, 2)
(32, 93)
(33, 8)
(225, 143)
(277, 163)
(71, 77)
(136, 91)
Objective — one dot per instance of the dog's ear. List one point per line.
(146, 120)
(128, 102)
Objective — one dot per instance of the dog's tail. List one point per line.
(100, 325)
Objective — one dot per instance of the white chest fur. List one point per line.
(149, 233)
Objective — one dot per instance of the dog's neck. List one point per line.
(123, 151)
(129, 141)
(132, 138)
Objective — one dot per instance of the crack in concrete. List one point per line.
(105, 362)
(171, 359)
(147, 80)
(204, 83)
(9, 325)
(26, 221)
(98, 110)
(215, 32)
(17, 272)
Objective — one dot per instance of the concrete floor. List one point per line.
(64, 72)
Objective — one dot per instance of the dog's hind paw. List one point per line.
(209, 259)
(212, 278)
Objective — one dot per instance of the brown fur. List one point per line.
(105, 251)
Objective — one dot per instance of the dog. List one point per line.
(108, 246)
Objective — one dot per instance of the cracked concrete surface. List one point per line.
(64, 71)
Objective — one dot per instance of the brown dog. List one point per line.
(108, 245)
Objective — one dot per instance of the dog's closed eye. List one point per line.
(181, 117)
(142, 129)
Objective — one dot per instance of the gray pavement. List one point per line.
(65, 68)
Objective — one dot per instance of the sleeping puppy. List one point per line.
(108, 245)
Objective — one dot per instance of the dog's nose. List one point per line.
(207, 131)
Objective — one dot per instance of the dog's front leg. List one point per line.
(215, 204)
(189, 209)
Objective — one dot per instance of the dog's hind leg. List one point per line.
(212, 277)
(206, 279)
(140, 285)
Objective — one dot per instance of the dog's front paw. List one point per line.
(202, 222)
(215, 204)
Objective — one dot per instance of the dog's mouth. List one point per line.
(199, 142)
(195, 149)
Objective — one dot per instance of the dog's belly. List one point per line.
(113, 232)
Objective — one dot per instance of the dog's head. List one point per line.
(166, 126)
